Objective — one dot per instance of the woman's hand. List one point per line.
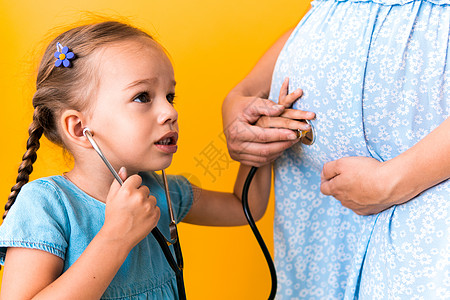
(261, 129)
(130, 212)
(289, 118)
(361, 183)
(368, 186)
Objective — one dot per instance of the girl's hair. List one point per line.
(60, 88)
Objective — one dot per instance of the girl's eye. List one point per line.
(171, 98)
(142, 98)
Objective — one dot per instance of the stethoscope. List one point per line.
(306, 138)
(176, 265)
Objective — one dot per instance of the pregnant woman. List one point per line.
(364, 211)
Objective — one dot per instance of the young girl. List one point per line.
(82, 235)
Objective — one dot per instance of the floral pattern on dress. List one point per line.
(376, 75)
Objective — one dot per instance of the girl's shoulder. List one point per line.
(50, 214)
(52, 199)
(42, 189)
(37, 219)
(54, 189)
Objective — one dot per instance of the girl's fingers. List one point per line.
(123, 174)
(278, 122)
(298, 114)
(288, 100)
(115, 186)
(285, 98)
(284, 90)
(133, 182)
(259, 107)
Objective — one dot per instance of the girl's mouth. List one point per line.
(168, 143)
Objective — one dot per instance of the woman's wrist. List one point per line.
(399, 181)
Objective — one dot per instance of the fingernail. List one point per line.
(292, 136)
(304, 128)
(310, 114)
(277, 107)
(122, 170)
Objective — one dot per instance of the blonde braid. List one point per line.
(35, 132)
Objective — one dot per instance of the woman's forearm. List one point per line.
(422, 166)
(257, 82)
(246, 104)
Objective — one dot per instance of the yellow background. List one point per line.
(213, 44)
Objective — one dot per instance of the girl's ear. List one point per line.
(72, 125)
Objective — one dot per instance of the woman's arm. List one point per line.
(225, 209)
(247, 103)
(368, 186)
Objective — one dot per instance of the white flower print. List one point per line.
(375, 74)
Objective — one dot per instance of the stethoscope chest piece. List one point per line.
(308, 137)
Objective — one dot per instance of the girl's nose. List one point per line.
(167, 113)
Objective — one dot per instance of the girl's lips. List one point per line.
(167, 148)
(168, 142)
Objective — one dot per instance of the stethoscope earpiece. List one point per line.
(86, 129)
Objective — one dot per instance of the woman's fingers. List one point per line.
(250, 133)
(259, 154)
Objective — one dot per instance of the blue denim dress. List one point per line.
(54, 215)
(377, 75)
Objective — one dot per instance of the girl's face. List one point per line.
(133, 119)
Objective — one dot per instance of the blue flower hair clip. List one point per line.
(63, 55)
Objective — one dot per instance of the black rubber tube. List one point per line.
(255, 230)
(178, 270)
(173, 264)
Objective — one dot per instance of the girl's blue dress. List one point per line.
(52, 214)
(376, 74)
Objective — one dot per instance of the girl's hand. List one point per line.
(289, 118)
(361, 183)
(130, 212)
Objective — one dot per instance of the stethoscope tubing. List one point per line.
(251, 222)
(307, 138)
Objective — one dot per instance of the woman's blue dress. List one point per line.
(376, 74)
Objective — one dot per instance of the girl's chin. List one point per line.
(157, 164)
(162, 164)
